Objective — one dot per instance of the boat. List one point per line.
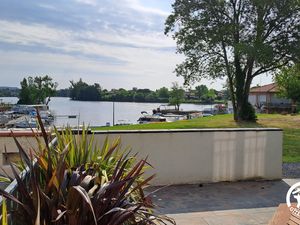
(22, 122)
(207, 112)
(123, 123)
(24, 116)
(171, 117)
(155, 118)
(167, 109)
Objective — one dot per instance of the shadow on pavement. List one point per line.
(219, 196)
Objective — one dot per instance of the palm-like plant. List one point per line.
(74, 182)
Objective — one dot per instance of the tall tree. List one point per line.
(176, 95)
(37, 90)
(163, 93)
(24, 96)
(239, 39)
(201, 91)
(288, 81)
(83, 92)
(211, 95)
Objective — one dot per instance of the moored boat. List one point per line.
(146, 118)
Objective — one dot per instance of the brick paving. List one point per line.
(232, 203)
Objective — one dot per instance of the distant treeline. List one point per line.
(9, 92)
(82, 91)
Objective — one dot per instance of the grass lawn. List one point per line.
(289, 124)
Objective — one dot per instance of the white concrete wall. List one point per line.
(207, 155)
(26, 140)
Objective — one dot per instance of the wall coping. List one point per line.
(29, 133)
(20, 133)
(185, 130)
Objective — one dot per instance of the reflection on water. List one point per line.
(99, 113)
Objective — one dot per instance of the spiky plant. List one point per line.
(67, 187)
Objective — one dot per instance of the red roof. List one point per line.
(264, 89)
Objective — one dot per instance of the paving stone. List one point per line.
(232, 203)
(230, 219)
(190, 220)
(263, 217)
(220, 196)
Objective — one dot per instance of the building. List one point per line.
(265, 98)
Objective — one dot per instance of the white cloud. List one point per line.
(47, 6)
(149, 70)
(69, 41)
(136, 5)
(117, 54)
(87, 2)
(144, 65)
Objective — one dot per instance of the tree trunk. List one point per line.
(243, 111)
(294, 106)
(242, 114)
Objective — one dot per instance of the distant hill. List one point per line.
(8, 88)
(9, 91)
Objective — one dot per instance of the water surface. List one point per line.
(99, 113)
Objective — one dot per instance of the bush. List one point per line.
(248, 113)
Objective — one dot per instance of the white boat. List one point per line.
(171, 117)
(22, 122)
(123, 123)
(155, 118)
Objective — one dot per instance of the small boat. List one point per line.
(208, 112)
(123, 123)
(22, 122)
(146, 118)
(171, 117)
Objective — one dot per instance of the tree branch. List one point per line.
(265, 69)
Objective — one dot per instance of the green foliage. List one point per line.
(81, 184)
(4, 212)
(288, 82)
(249, 112)
(211, 95)
(176, 95)
(201, 91)
(84, 92)
(63, 92)
(36, 90)
(238, 40)
(163, 93)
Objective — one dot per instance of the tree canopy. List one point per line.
(176, 95)
(37, 90)
(84, 92)
(239, 39)
(288, 82)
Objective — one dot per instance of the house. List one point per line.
(265, 98)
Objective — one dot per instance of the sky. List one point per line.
(116, 43)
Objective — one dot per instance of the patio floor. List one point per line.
(232, 203)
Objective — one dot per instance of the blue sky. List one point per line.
(117, 43)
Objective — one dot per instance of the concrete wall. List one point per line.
(206, 155)
(25, 138)
(193, 156)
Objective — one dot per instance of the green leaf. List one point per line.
(4, 212)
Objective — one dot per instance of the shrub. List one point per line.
(249, 113)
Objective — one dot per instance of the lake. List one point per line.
(99, 113)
